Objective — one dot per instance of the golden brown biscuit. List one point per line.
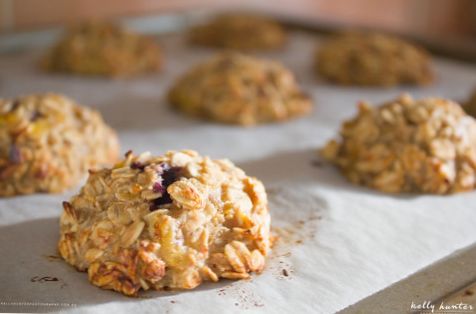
(241, 32)
(239, 89)
(170, 221)
(406, 145)
(47, 144)
(373, 59)
(104, 49)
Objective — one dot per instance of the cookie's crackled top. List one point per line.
(239, 31)
(105, 49)
(407, 145)
(170, 221)
(373, 59)
(240, 89)
(47, 143)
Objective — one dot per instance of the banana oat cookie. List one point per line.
(47, 144)
(239, 89)
(104, 49)
(373, 59)
(166, 222)
(239, 31)
(407, 145)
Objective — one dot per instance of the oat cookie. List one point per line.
(166, 222)
(240, 31)
(470, 106)
(239, 89)
(47, 144)
(407, 145)
(373, 59)
(104, 49)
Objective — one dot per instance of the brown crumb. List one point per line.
(317, 163)
(172, 301)
(469, 292)
(43, 279)
(52, 258)
(285, 273)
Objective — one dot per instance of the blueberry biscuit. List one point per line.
(373, 60)
(103, 49)
(47, 144)
(239, 89)
(166, 222)
(407, 145)
(241, 32)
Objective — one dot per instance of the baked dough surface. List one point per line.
(103, 49)
(407, 145)
(239, 31)
(48, 143)
(239, 89)
(170, 221)
(373, 60)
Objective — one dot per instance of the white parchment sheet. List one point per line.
(339, 242)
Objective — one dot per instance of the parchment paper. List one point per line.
(338, 242)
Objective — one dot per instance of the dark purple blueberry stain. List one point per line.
(158, 188)
(14, 155)
(36, 115)
(138, 165)
(168, 176)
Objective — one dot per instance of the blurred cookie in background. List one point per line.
(408, 146)
(239, 89)
(103, 49)
(373, 59)
(48, 143)
(239, 31)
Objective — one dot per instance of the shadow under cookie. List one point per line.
(306, 169)
(34, 278)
